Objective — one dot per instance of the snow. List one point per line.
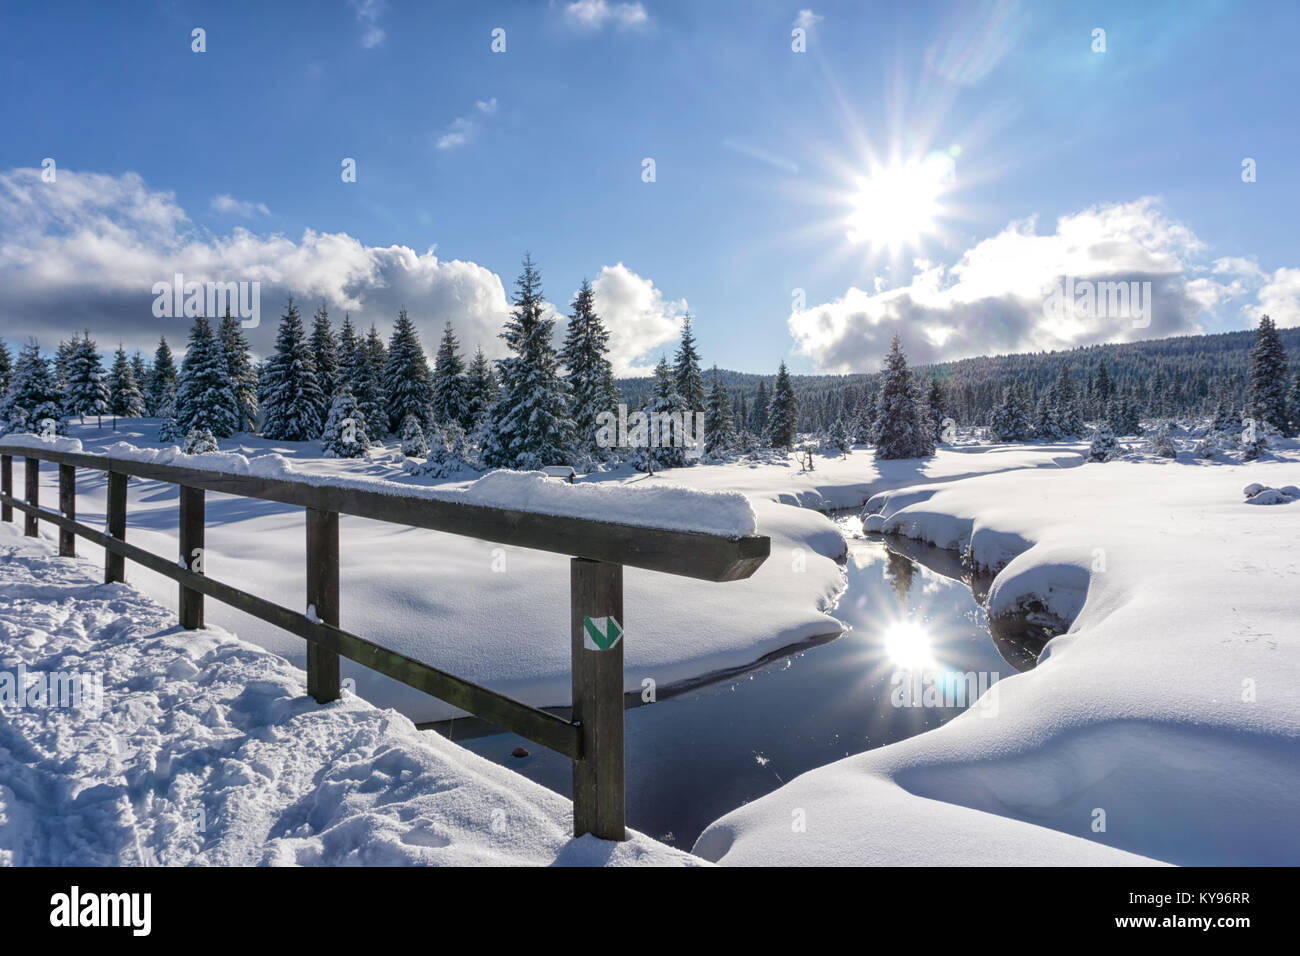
(1168, 710)
(206, 751)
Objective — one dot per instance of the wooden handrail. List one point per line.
(593, 739)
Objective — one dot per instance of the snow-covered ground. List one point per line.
(437, 597)
(193, 747)
(1165, 724)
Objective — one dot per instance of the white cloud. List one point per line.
(1280, 298)
(595, 14)
(229, 206)
(368, 13)
(806, 19)
(86, 251)
(462, 129)
(638, 317)
(992, 300)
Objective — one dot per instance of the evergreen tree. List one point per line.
(368, 386)
(344, 435)
(141, 373)
(936, 407)
(450, 400)
(204, 398)
(1293, 402)
(901, 429)
(87, 392)
(162, 379)
(1010, 420)
(414, 444)
(408, 382)
(351, 354)
(664, 447)
(589, 374)
(481, 390)
(291, 394)
(6, 369)
(63, 363)
(125, 398)
(1162, 442)
(1066, 411)
(1103, 447)
(33, 394)
(758, 411)
(529, 424)
(241, 376)
(719, 429)
(1103, 390)
(1268, 377)
(782, 411)
(325, 353)
(686, 370)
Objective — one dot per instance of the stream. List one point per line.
(693, 756)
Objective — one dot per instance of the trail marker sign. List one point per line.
(600, 633)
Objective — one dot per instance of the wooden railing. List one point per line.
(592, 738)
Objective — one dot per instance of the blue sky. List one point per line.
(758, 153)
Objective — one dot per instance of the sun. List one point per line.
(908, 646)
(898, 206)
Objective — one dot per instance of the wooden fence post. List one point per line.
(68, 508)
(32, 469)
(323, 599)
(115, 564)
(192, 554)
(7, 485)
(596, 610)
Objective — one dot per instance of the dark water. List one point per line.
(694, 756)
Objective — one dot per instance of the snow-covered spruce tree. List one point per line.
(686, 370)
(782, 411)
(200, 441)
(1162, 442)
(169, 430)
(87, 391)
(937, 407)
(414, 444)
(325, 353)
(408, 383)
(662, 431)
(1045, 417)
(1293, 403)
(6, 369)
(449, 385)
(901, 429)
(837, 440)
(1066, 406)
(1009, 421)
(1104, 447)
(345, 427)
(719, 429)
(32, 396)
(481, 390)
(588, 371)
(350, 353)
(1268, 377)
(1226, 420)
(204, 398)
(368, 383)
(125, 400)
(290, 393)
(758, 411)
(242, 376)
(162, 379)
(62, 363)
(529, 424)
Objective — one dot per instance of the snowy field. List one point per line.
(1164, 724)
(200, 749)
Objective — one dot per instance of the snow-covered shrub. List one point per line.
(200, 441)
(169, 432)
(414, 444)
(1209, 446)
(345, 428)
(1162, 442)
(448, 454)
(837, 441)
(1257, 494)
(1104, 447)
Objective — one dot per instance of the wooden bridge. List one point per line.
(592, 738)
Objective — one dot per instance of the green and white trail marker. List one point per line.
(600, 633)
